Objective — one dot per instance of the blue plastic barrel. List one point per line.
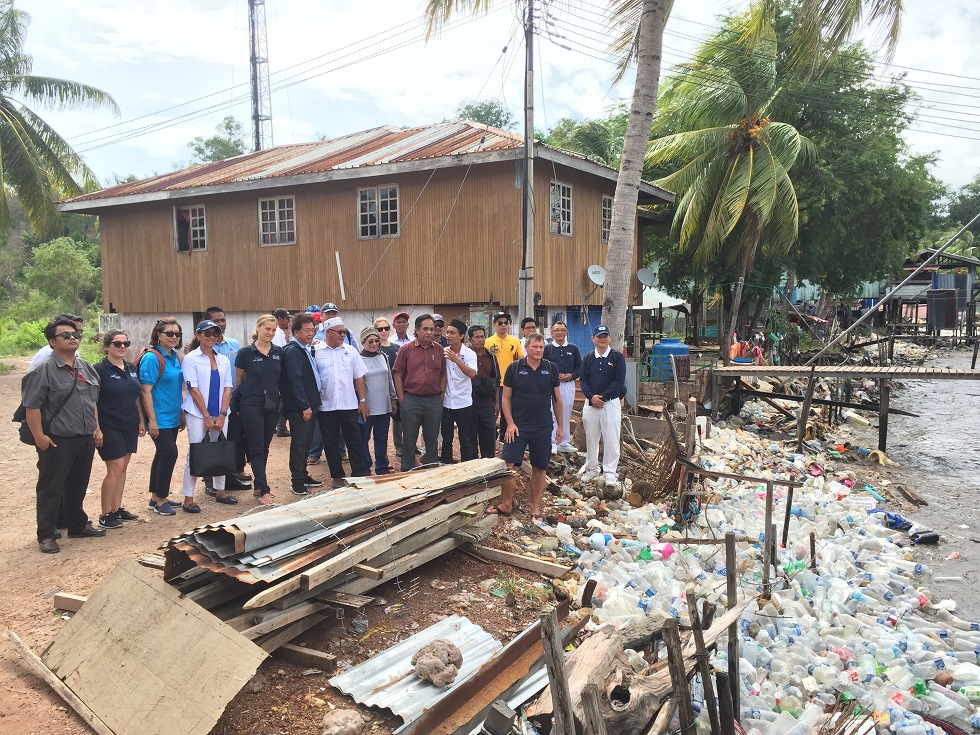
(660, 369)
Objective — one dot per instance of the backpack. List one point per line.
(160, 360)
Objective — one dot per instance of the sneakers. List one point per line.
(165, 508)
(235, 482)
(589, 475)
(151, 505)
(554, 449)
(124, 515)
(311, 482)
(109, 520)
(611, 480)
(299, 490)
(566, 449)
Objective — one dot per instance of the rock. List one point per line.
(343, 722)
(438, 662)
(943, 678)
(548, 544)
(438, 584)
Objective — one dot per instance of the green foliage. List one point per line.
(489, 112)
(227, 142)
(964, 205)
(600, 140)
(64, 272)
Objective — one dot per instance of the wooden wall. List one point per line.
(460, 241)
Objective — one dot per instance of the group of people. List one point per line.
(307, 377)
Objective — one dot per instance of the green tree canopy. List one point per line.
(600, 140)
(63, 271)
(227, 142)
(489, 112)
(964, 205)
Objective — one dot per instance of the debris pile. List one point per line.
(438, 662)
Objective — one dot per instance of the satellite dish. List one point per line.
(646, 276)
(596, 274)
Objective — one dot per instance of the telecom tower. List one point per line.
(259, 63)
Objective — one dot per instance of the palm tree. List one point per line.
(641, 24)
(39, 166)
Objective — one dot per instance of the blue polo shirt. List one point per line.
(533, 390)
(229, 348)
(566, 357)
(167, 391)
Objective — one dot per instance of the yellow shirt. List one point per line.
(506, 350)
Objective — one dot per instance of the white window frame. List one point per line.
(274, 236)
(383, 225)
(197, 242)
(606, 225)
(562, 211)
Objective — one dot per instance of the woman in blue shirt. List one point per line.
(161, 381)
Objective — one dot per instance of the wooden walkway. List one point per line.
(846, 371)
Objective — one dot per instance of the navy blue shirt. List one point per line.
(566, 358)
(533, 391)
(603, 376)
(118, 394)
(261, 374)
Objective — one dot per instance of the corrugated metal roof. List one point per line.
(388, 679)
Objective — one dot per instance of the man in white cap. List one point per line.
(602, 379)
(440, 338)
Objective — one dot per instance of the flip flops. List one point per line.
(496, 510)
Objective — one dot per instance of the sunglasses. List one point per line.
(373, 341)
(338, 331)
(502, 323)
(383, 329)
(117, 343)
(211, 333)
(69, 335)
(173, 335)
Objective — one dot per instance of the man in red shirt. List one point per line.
(420, 382)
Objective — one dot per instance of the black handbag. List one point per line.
(273, 403)
(24, 432)
(212, 458)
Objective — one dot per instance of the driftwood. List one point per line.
(628, 702)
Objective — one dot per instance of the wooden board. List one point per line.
(540, 566)
(176, 681)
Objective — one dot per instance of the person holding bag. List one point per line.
(257, 372)
(207, 376)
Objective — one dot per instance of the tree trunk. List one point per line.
(757, 314)
(745, 259)
(790, 285)
(622, 232)
(694, 322)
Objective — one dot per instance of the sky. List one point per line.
(177, 68)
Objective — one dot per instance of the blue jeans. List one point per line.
(379, 425)
(316, 443)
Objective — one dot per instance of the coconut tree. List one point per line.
(38, 165)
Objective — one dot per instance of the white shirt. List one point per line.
(338, 368)
(281, 337)
(602, 354)
(43, 354)
(197, 374)
(459, 388)
(397, 341)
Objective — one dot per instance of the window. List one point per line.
(561, 208)
(377, 210)
(190, 229)
(606, 217)
(277, 221)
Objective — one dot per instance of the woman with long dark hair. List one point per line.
(161, 381)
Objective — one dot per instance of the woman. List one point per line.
(161, 380)
(259, 405)
(207, 376)
(381, 399)
(385, 333)
(119, 419)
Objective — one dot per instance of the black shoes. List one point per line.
(234, 482)
(124, 515)
(299, 490)
(311, 482)
(109, 520)
(48, 546)
(89, 531)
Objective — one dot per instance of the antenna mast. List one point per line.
(259, 64)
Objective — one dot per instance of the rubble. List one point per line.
(343, 722)
(438, 662)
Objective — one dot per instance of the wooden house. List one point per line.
(378, 221)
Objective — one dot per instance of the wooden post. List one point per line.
(767, 544)
(732, 593)
(691, 427)
(789, 513)
(884, 394)
(554, 659)
(703, 667)
(726, 709)
(716, 391)
(678, 676)
(773, 560)
(662, 720)
(637, 335)
(805, 411)
(813, 551)
(594, 724)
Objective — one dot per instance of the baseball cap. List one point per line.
(312, 308)
(400, 313)
(329, 307)
(601, 329)
(281, 313)
(502, 315)
(438, 318)
(205, 325)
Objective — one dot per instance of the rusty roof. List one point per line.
(379, 151)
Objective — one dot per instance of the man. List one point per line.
(528, 327)
(400, 322)
(229, 347)
(60, 397)
(530, 386)
(299, 385)
(602, 378)
(440, 338)
(343, 398)
(506, 349)
(457, 405)
(330, 311)
(281, 338)
(485, 386)
(420, 382)
(567, 359)
(45, 352)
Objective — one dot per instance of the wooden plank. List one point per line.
(363, 570)
(520, 561)
(345, 600)
(594, 724)
(281, 637)
(310, 657)
(65, 601)
(62, 690)
(275, 619)
(678, 675)
(135, 685)
(554, 661)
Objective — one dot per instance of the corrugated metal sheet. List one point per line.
(388, 679)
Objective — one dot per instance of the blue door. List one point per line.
(581, 334)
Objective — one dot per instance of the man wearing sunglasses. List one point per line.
(45, 352)
(506, 349)
(60, 396)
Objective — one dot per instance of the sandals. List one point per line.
(496, 510)
(226, 500)
(192, 508)
(266, 499)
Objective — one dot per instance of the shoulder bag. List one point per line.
(20, 415)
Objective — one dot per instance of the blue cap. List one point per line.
(205, 325)
(312, 309)
(601, 329)
(329, 307)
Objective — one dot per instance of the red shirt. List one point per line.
(421, 368)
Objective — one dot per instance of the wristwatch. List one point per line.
(362, 400)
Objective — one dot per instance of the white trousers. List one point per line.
(567, 391)
(605, 422)
(195, 434)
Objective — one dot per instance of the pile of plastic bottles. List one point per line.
(861, 627)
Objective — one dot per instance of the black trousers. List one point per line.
(485, 425)
(62, 475)
(236, 433)
(332, 425)
(462, 420)
(164, 460)
(259, 426)
(425, 413)
(300, 436)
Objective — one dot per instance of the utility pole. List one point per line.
(259, 65)
(525, 283)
